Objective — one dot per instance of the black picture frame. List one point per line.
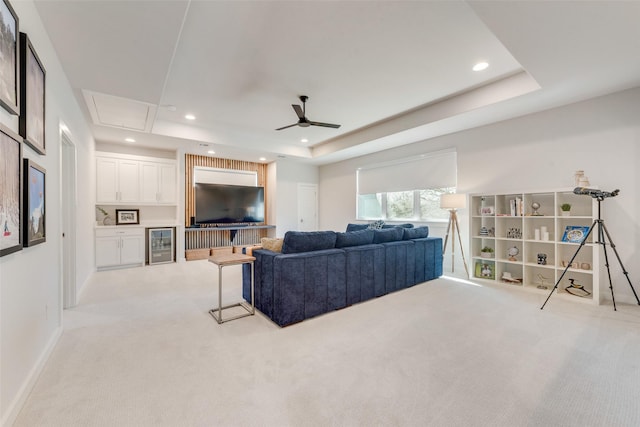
(127, 216)
(10, 192)
(32, 96)
(9, 59)
(34, 198)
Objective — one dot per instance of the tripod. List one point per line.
(454, 227)
(602, 233)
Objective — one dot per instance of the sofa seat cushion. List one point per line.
(388, 235)
(307, 241)
(354, 238)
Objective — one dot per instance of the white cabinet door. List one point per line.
(106, 180)
(167, 183)
(149, 182)
(107, 251)
(132, 249)
(129, 180)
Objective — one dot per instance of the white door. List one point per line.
(307, 207)
(69, 205)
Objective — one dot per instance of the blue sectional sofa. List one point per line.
(321, 271)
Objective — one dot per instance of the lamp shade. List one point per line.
(453, 201)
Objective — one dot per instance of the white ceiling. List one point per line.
(390, 72)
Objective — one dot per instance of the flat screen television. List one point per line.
(224, 204)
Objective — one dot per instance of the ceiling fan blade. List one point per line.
(326, 125)
(298, 111)
(285, 127)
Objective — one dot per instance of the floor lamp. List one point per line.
(453, 202)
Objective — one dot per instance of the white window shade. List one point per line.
(433, 170)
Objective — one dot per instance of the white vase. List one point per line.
(566, 213)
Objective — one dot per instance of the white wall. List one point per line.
(535, 152)
(30, 282)
(288, 175)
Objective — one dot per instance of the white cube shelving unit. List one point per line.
(503, 221)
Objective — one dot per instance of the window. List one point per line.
(417, 205)
(407, 189)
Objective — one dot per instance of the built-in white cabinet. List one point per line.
(119, 247)
(118, 180)
(158, 183)
(526, 240)
(128, 179)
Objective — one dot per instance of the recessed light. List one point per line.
(304, 140)
(211, 152)
(190, 117)
(262, 159)
(480, 66)
(130, 140)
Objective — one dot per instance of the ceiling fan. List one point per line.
(302, 119)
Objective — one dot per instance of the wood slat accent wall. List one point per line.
(192, 160)
(211, 238)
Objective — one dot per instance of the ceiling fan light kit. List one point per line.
(302, 118)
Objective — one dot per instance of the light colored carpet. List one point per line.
(141, 350)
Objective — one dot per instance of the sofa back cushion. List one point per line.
(415, 233)
(356, 227)
(307, 241)
(388, 235)
(407, 225)
(354, 238)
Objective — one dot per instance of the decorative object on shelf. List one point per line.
(577, 289)
(580, 180)
(512, 252)
(542, 259)
(542, 285)
(127, 216)
(486, 252)
(536, 234)
(106, 218)
(514, 233)
(535, 206)
(575, 233)
(485, 270)
(566, 209)
(487, 211)
(484, 231)
(507, 278)
(453, 202)
(585, 266)
(34, 200)
(492, 232)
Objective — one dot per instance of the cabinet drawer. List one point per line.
(118, 232)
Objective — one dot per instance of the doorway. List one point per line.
(68, 199)
(307, 207)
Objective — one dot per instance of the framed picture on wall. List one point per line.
(32, 96)
(34, 204)
(10, 192)
(127, 216)
(9, 59)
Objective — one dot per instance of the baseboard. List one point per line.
(18, 402)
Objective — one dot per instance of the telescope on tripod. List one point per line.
(603, 237)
